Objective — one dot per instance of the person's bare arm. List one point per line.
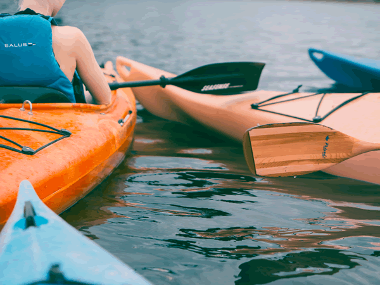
(89, 70)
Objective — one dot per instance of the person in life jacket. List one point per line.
(34, 51)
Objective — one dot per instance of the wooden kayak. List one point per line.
(38, 247)
(355, 114)
(76, 147)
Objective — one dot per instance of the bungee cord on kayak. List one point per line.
(316, 118)
(25, 149)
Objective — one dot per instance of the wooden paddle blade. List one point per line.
(221, 78)
(291, 149)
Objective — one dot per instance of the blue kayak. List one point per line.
(39, 247)
(357, 73)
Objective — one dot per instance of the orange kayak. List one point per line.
(355, 114)
(63, 149)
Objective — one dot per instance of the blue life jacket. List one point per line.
(26, 53)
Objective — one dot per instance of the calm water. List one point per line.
(183, 207)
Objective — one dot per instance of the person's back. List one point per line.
(69, 46)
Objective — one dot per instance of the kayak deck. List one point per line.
(66, 170)
(37, 245)
(232, 115)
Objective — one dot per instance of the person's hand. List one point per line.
(108, 69)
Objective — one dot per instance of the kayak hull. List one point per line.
(67, 170)
(53, 247)
(356, 73)
(233, 115)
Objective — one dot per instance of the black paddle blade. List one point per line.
(221, 78)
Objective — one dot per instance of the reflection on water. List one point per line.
(187, 226)
(157, 162)
(301, 264)
(183, 207)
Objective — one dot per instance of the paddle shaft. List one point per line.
(163, 81)
(114, 86)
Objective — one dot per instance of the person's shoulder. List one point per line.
(68, 32)
(70, 37)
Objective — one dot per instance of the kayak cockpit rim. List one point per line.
(71, 106)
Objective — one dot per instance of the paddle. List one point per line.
(218, 78)
(291, 149)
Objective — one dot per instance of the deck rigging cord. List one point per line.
(25, 149)
(316, 118)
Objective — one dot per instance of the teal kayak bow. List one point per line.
(39, 247)
(357, 73)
